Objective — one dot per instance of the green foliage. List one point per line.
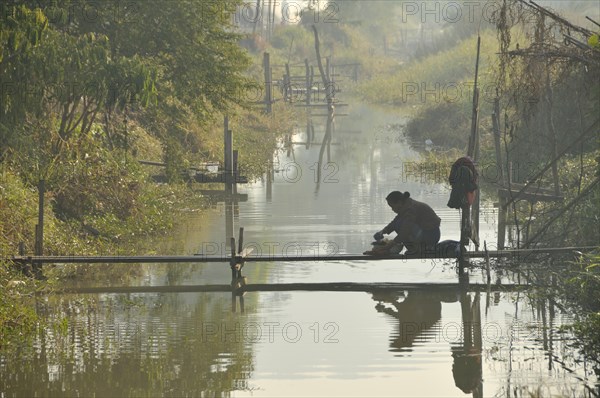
(295, 42)
(15, 226)
(582, 289)
(186, 66)
(258, 135)
(594, 41)
(17, 317)
(580, 225)
(173, 157)
(98, 183)
(21, 30)
(447, 124)
(583, 283)
(446, 76)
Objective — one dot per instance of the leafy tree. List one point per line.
(62, 77)
(21, 30)
(173, 66)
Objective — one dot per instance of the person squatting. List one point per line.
(416, 225)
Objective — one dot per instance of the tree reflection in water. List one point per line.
(121, 346)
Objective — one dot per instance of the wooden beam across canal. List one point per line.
(286, 258)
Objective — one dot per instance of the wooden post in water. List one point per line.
(228, 177)
(232, 264)
(287, 84)
(229, 218)
(39, 239)
(238, 282)
(232, 261)
(308, 84)
(270, 181)
(470, 216)
(500, 174)
(308, 88)
(228, 154)
(235, 174)
(39, 228)
(501, 223)
(268, 82)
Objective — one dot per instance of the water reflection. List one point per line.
(466, 365)
(419, 311)
(416, 311)
(122, 346)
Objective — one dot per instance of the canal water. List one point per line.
(421, 342)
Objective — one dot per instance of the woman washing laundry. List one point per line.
(416, 225)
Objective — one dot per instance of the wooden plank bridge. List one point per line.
(200, 258)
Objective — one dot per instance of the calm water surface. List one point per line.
(421, 342)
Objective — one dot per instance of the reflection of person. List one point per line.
(417, 311)
(416, 226)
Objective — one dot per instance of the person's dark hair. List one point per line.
(397, 196)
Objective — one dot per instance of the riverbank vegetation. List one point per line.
(87, 90)
(581, 292)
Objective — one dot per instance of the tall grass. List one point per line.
(446, 76)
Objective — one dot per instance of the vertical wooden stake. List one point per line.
(268, 82)
(270, 181)
(501, 223)
(242, 307)
(287, 84)
(228, 154)
(235, 174)
(40, 226)
(487, 263)
(308, 84)
(229, 218)
(232, 262)
(497, 145)
(241, 240)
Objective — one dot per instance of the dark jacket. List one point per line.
(413, 212)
